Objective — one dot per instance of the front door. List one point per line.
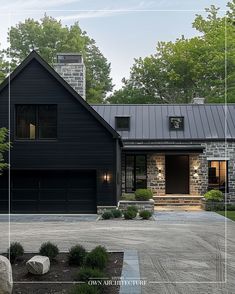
(177, 174)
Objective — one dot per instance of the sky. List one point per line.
(122, 29)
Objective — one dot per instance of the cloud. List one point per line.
(17, 5)
(90, 14)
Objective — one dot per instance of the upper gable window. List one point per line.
(36, 122)
(122, 123)
(176, 123)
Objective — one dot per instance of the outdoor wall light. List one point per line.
(159, 173)
(106, 177)
(195, 172)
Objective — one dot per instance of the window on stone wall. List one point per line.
(218, 175)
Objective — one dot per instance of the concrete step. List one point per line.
(177, 200)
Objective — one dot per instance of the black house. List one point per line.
(61, 147)
(70, 157)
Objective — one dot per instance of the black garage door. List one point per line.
(52, 192)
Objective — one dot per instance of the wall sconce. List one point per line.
(159, 170)
(195, 172)
(106, 177)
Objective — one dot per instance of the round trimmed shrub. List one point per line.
(97, 258)
(116, 213)
(143, 194)
(107, 215)
(49, 249)
(132, 208)
(15, 250)
(87, 273)
(77, 255)
(85, 289)
(129, 214)
(214, 195)
(145, 214)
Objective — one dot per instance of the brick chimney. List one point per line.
(71, 68)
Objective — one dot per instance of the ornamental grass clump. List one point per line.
(15, 251)
(49, 249)
(129, 214)
(77, 255)
(97, 258)
(143, 194)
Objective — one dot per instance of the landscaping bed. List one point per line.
(60, 271)
(230, 214)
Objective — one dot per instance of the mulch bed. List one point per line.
(60, 271)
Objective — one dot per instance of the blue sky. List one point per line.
(123, 29)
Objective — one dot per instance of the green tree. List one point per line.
(4, 146)
(181, 70)
(48, 36)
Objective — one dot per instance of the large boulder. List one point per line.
(6, 281)
(38, 265)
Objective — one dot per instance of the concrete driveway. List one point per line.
(179, 252)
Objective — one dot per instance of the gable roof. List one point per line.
(44, 64)
(151, 121)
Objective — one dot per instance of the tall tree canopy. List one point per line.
(181, 70)
(48, 36)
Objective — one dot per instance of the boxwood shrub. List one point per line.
(143, 194)
(129, 214)
(49, 249)
(107, 215)
(145, 214)
(77, 255)
(116, 213)
(15, 250)
(85, 289)
(87, 273)
(214, 195)
(97, 258)
(132, 208)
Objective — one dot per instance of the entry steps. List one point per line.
(177, 200)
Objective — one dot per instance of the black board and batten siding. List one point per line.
(83, 145)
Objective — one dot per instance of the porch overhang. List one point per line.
(173, 149)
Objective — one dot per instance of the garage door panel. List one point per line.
(52, 192)
(22, 195)
(24, 206)
(56, 195)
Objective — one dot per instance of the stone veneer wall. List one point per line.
(198, 184)
(74, 75)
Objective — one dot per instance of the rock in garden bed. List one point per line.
(60, 271)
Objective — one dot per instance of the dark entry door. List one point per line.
(52, 192)
(177, 174)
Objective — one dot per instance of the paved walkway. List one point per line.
(179, 253)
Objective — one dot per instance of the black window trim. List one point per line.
(135, 170)
(176, 116)
(37, 122)
(122, 129)
(227, 175)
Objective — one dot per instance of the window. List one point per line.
(217, 174)
(122, 123)
(136, 172)
(176, 123)
(36, 122)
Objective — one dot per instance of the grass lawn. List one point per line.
(230, 214)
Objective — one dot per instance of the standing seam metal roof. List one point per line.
(151, 121)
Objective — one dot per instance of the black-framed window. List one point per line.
(218, 175)
(122, 123)
(176, 123)
(135, 172)
(36, 122)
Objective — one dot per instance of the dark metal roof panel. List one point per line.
(151, 121)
